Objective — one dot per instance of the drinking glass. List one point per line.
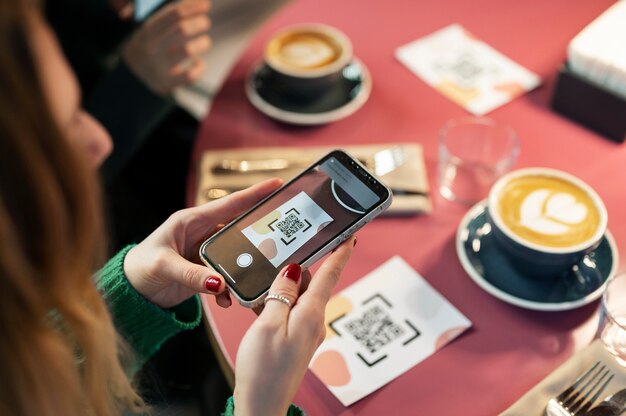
(473, 153)
(612, 328)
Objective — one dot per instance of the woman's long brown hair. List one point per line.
(58, 348)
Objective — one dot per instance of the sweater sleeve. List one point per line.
(230, 409)
(129, 110)
(144, 325)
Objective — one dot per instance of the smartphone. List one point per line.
(299, 223)
(144, 8)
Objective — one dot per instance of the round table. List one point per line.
(508, 349)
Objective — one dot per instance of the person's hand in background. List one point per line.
(275, 352)
(163, 268)
(123, 8)
(165, 51)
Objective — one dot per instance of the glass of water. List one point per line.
(473, 153)
(612, 328)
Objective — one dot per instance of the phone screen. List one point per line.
(144, 8)
(292, 225)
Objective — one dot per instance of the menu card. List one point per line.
(466, 70)
(380, 327)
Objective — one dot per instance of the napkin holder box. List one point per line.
(589, 104)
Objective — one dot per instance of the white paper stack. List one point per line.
(598, 53)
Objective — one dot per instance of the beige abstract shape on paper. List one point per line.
(321, 226)
(331, 368)
(513, 89)
(457, 93)
(268, 248)
(261, 226)
(448, 336)
(469, 34)
(336, 307)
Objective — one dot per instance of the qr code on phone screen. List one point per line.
(290, 225)
(374, 329)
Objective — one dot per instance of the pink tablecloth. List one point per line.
(509, 349)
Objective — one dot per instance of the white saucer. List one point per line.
(351, 93)
(490, 269)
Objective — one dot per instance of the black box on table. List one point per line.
(589, 104)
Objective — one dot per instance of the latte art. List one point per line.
(551, 213)
(305, 51)
(548, 211)
(308, 51)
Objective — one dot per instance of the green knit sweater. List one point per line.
(144, 325)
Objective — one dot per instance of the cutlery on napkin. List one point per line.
(399, 166)
(534, 401)
(613, 405)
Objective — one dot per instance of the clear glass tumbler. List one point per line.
(473, 153)
(612, 328)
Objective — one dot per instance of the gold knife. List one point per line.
(263, 165)
(216, 193)
(260, 165)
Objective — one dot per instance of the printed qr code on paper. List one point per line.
(290, 225)
(374, 329)
(281, 232)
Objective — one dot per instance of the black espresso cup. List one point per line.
(306, 60)
(545, 220)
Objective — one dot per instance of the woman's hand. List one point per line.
(165, 269)
(275, 352)
(164, 52)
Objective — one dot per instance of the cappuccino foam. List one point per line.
(548, 211)
(303, 50)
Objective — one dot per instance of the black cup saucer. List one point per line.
(491, 270)
(341, 100)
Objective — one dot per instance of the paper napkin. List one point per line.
(377, 332)
(466, 70)
(409, 176)
(597, 52)
(534, 402)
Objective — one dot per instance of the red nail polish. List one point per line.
(293, 272)
(212, 284)
(354, 244)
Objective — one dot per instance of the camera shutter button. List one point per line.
(244, 260)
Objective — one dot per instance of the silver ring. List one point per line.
(280, 298)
